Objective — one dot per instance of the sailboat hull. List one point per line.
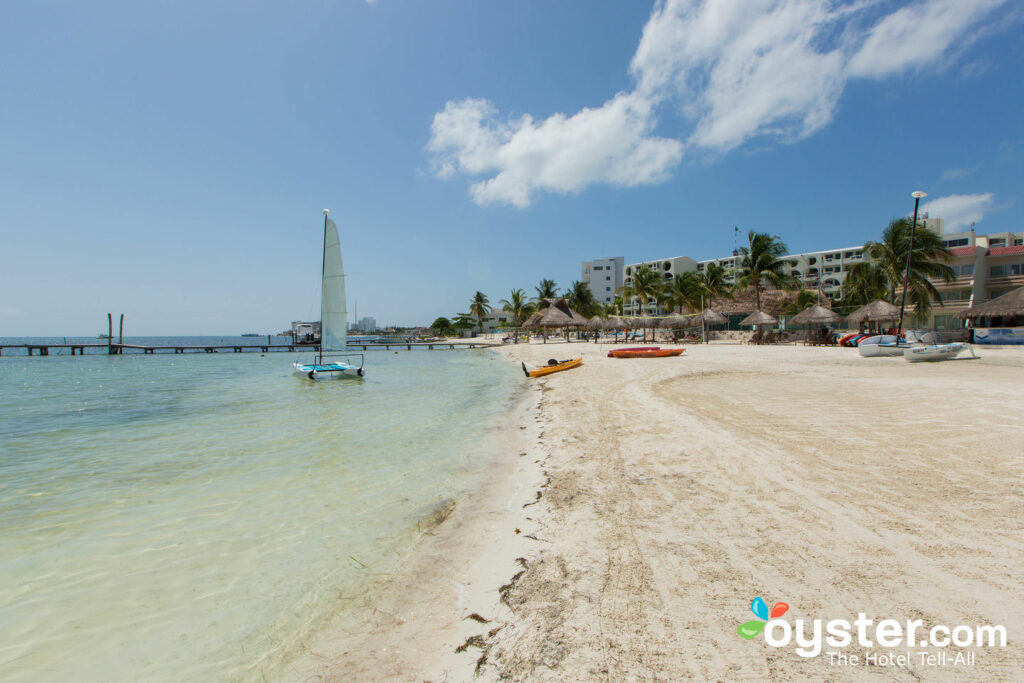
(934, 353)
(327, 371)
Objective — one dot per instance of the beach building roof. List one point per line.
(710, 317)
(1009, 304)
(745, 301)
(555, 313)
(874, 312)
(759, 318)
(816, 314)
(675, 322)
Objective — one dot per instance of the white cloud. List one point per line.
(734, 70)
(954, 173)
(611, 144)
(917, 35)
(743, 69)
(958, 211)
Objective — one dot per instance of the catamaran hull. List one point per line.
(933, 353)
(881, 345)
(322, 372)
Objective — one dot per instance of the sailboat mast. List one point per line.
(323, 274)
(910, 252)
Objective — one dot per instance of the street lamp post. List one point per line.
(910, 252)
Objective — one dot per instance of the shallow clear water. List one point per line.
(172, 517)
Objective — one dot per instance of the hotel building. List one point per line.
(604, 277)
(986, 266)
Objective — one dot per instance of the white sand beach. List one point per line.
(668, 493)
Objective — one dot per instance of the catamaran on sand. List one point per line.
(333, 317)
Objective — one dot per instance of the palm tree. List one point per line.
(684, 290)
(713, 282)
(479, 306)
(547, 289)
(805, 298)
(520, 308)
(645, 285)
(441, 325)
(927, 260)
(763, 263)
(581, 299)
(865, 282)
(462, 322)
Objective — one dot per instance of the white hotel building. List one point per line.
(986, 266)
(604, 277)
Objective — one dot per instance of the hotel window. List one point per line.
(1000, 242)
(964, 270)
(962, 242)
(955, 295)
(607, 277)
(598, 267)
(1007, 270)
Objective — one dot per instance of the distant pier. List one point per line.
(116, 349)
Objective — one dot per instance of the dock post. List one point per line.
(110, 334)
(120, 333)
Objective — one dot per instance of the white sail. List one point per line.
(333, 313)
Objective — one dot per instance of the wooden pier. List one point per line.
(117, 349)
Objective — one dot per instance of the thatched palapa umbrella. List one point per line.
(617, 324)
(677, 322)
(555, 313)
(1009, 305)
(645, 321)
(759, 318)
(814, 316)
(710, 317)
(595, 325)
(875, 312)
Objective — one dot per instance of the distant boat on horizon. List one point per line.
(103, 336)
(252, 334)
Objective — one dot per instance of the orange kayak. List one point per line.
(645, 353)
(611, 354)
(555, 367)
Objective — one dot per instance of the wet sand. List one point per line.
(673, 491)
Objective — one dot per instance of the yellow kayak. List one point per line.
(553, 366)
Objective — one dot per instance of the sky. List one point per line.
(170, 161)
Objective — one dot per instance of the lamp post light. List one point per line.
(910, 252)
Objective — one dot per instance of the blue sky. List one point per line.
(170, 162)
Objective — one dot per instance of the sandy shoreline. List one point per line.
(676, 490)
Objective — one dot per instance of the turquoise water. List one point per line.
(171, 517)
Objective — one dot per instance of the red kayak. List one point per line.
(611, 354)
(645, 353)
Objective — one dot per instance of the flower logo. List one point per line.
(760, 609)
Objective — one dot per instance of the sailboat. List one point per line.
(333, 317)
